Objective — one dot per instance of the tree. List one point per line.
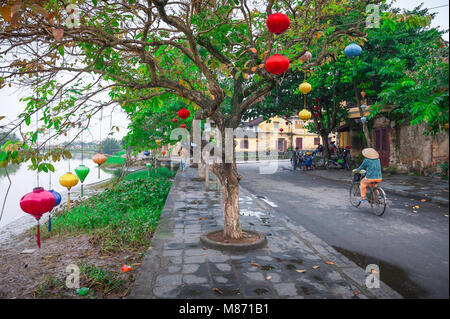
(110, 146)
(404, 66)
(209, 54)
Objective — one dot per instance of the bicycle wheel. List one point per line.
(378, 201)
(355, 195)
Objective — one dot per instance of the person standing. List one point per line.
(295, 158)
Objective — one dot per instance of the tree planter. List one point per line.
(208, 239)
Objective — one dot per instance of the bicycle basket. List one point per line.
(356, 177)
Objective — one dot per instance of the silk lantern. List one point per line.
(305, 87)
(174, 120)
(184, 113)
(68, 180)
(183, 125)
(82, 172)
(146, 153)
(57, 202)
(278, 23)
(99, 159)
(277, 64)
(37, 203)
(304, 115)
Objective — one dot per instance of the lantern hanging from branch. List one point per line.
(68, 180)
(184, 113)
(183, 125)
(305, 87)
(37, 203)
(57, 202)
(281, 130)
(146, 153)
(99, 159)
(304, 115)
(175, 120)
(163, 153)
(363, 119)
(158, 142)
(277, 64)
(363, 94)
(278, 23)
(352, 51)
(82, 172)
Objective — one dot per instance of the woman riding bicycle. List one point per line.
(372, 165)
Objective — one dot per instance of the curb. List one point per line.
(394, 191)
(260, 243)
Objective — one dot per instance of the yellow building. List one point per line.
(279, 134)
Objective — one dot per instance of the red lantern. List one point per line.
(286, 116)
(316, 108)
(37, 203)
(184, 114)
(316, 114)
(281, 130)
(183, 125)
(277, 23)
(175, 120)
(277, 64)
(287, 123)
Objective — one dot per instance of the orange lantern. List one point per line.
(99, 159)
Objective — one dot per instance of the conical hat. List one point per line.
(370, 153)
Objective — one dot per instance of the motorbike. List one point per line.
(341, 161)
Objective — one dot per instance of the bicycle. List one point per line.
(375, 196)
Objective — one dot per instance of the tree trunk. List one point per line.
(230, 202)
(326, 151)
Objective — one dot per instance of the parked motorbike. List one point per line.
(341, 161)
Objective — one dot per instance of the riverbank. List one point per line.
(99, 235)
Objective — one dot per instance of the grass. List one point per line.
(163, 172)
(119, 218)
(105, 280)
(112, 161)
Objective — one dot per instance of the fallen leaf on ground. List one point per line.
(202, 218)
(269, 277)
(300, 270)
(356, 292)
(423, 200)
(315, 267)
(417, 206)
(217, 290)
(136, 264)
(329, 263)
(103, 257)
(255, 264)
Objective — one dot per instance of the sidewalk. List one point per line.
(178, 266)
(420, 187)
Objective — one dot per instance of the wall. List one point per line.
(411, 150)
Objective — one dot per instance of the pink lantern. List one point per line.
(37, 203)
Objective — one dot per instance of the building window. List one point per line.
(244, 144)
(316, 140)
(275, 126)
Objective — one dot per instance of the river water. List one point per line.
(24, 180)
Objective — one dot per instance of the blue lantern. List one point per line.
(57, 197)
(146, 153)
(363, 107)
(363, 119)
(352, 50)
(57, 201)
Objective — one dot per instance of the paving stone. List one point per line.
(253, 276)
(223, 267)
(173, 269)
(190, 268)
(218, 259)
(192, 279)
(194, 260)
(176, 260)
(194, 252)
(286, 289)
(172, 252)
(165, 292)
(168, 280)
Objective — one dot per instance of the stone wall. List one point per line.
(411, 150)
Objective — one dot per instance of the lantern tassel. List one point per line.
(50, 222)
(38, 235)
(81, 189)
(68, 202)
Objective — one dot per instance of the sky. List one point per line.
(10, 106)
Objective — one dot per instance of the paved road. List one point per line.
(412, 249)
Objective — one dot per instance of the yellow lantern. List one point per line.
(446, 126)
(304, 115)
(305, 87)
(68, 180)
(157, 142)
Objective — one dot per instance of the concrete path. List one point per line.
(295, 263)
